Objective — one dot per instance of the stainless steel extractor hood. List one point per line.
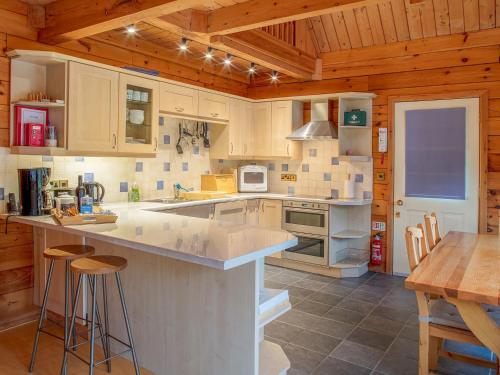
(319, 128)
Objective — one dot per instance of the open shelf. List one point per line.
(29, 150)
(349, 234)
(39, 104)
(272, 304)
(272, 359)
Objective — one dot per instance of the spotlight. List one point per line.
(252, 69)
(131, 29)
(228, 59)
(274, 76)
(209, 55)
(183, 46)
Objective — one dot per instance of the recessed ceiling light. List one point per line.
(274, 76)
(252, 69)
(228, 59)
(131, 29)
(183, 46)
(209, 55)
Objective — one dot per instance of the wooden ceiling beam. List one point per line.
(75, 19)
(265, 50)
(254, 14)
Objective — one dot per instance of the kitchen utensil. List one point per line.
(178, 145)
(50, 136)
(144, 96)
(206, 141)
(137, 116)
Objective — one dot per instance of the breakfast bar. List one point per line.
(194, 288)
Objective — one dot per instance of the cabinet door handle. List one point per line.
(114, 140)
(179, 109)
(288, 149)
(156, 144)
(231, 147)
(214, 114)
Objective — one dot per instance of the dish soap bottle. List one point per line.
(134, 194)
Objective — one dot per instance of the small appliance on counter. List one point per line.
(252, 179)
(96, 191)
(35, 199)
(225, 183)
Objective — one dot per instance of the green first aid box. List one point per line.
(355, 117)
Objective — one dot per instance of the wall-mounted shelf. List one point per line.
(39, 104)
(350, 234)
(354, 127)
(46, 151)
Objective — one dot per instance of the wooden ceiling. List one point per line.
(401, 20)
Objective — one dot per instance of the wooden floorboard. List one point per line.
(15, 353)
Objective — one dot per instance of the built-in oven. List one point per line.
(308, 221)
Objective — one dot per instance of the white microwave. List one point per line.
(252, 179)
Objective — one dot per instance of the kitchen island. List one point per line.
(193, 287)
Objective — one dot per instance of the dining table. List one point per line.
(464, 268)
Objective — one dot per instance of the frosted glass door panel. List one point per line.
(435, 153)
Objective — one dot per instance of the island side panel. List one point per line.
(187, 319)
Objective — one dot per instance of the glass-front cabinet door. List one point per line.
(139, 111)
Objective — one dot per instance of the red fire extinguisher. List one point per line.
(376, 256)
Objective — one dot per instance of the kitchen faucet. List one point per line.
(177, 188)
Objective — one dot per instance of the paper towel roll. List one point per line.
(348, 188)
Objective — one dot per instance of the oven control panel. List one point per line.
(308, 205)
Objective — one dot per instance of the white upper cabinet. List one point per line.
(92, 108)
(287, 115)
(262, 130)
(213, 106)
(179, 100)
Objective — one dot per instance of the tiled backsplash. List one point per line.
(319, 173)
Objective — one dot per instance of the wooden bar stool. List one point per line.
(92, 267)
(65, 253)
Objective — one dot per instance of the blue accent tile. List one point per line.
(2, 194)
(284, 167)
(138, 231)
(313, 152)
(327, 176)
(80, 158)
(335, 161)
(334, 193)
(291, 190)
(367, 195)
(161, 121)
(166, 167)
(305, 167)
(166, 139)
(271, 167)
(47, 158)
(139, 166)
(88, 177)
(123, 187)
(196, 150)
(159, 185)
(358, 178)
(185, 166)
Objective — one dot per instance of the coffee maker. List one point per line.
(34, 197)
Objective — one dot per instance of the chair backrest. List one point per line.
(415, 245)
(432, 230)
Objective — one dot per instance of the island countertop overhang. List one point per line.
(210, 243)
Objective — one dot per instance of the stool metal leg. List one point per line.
(72, 282)
(106, 319)
(42, 316)
(72, 324)
(66, 305)
(93, 288)
(92, 330)
(127, 323)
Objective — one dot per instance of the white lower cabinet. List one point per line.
(270, 216)
(233, 212)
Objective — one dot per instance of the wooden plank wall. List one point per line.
(428, 66)
(16, 273)
(16, 34)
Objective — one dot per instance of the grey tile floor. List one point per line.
(367, 325)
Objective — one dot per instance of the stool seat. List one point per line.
(68, 252)
(99, 265)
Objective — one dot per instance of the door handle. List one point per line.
(399, 202)
(156, 144)
(114, 140)
(179, 109)
(397, 214)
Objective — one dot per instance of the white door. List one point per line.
(436, 168)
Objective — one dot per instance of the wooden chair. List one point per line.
(432, 230)
(438, 319)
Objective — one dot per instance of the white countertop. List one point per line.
(216, 244)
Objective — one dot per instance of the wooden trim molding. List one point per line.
(482, 95)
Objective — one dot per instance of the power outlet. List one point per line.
(288, 177)
(380, 176)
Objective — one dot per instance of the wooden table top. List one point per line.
(464, 266)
